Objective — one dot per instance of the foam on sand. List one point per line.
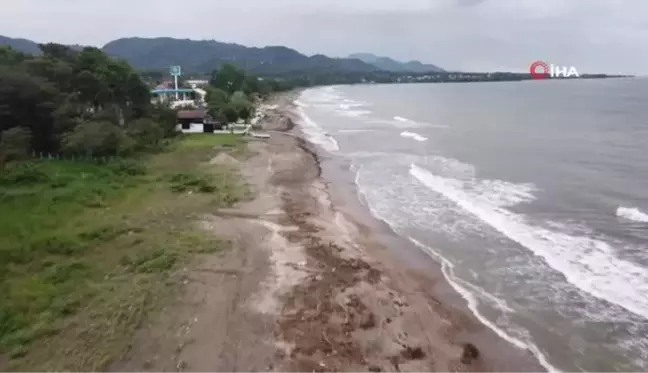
(632, 213)
(315, 134)
(413, 135)
(586, 262)
(461, 287)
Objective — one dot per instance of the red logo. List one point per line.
(540, 70)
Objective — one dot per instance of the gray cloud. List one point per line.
(480, 35)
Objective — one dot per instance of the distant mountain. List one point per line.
(28, 46)
(388, 64)
(201, 56)
(21, 45)
(205, 55)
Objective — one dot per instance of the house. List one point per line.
(193, 121)
(179, 97)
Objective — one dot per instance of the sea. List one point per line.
(533, 197)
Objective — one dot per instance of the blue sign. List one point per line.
(176, 71)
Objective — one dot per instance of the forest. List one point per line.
(81, 103)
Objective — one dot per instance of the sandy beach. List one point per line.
(313, 283)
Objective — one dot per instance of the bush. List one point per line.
(127, 168)
(146, 133)
(14, 144)
(166, 118)
(97, 139)
(23, 174)
(183, 182)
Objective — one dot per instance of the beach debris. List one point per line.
(413, 353)
(367, 320)
(470, 353)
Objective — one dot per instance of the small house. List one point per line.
(193, 121)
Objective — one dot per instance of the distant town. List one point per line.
(459, 77)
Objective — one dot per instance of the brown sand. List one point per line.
(307, 287)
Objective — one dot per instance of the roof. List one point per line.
(191, 114)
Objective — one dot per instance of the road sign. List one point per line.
(176, 71)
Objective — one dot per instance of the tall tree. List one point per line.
(228, 78)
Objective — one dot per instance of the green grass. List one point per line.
(87, 251)
(200, 140)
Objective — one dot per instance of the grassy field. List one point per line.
(87, 251)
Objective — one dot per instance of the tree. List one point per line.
(29, 102)
(242, 105)
(165, 117)
(228, 78)
(217, 96)
(81, 102)
(97, 139)
(217, 100)
(146, 133)
(14, 144)
(230, 113)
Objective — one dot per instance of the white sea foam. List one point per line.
(461, 287)
(315, 134)
(402, 122)
(354, 131)
(353, 113)
(413, 135)
(632, 213)
(348, 104)
(326, 95)
(586, 262)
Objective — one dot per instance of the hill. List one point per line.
(21, 45)
(389, 64)
(29, 46)
(205, 55)
(201, 56)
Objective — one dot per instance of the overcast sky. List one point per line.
(474, 35)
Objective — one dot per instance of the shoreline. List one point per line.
(312, 281)
(414, 274)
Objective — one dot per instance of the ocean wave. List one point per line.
(472, 294)
(300, 103)
(413, 135)
(472, 299)
(349, 104)
(632, 213)
(353, 113)
(325, 95)
(402, 122)
(586, 262)
(354, 131)
(315, 134)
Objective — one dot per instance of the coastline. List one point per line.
(434, 319)
(313, 281)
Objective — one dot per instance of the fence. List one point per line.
(75, 157)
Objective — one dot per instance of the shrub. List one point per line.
(183, 182)
(23, 174)
(97, 139)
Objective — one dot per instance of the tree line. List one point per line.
(233, 93)
(77, 103)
